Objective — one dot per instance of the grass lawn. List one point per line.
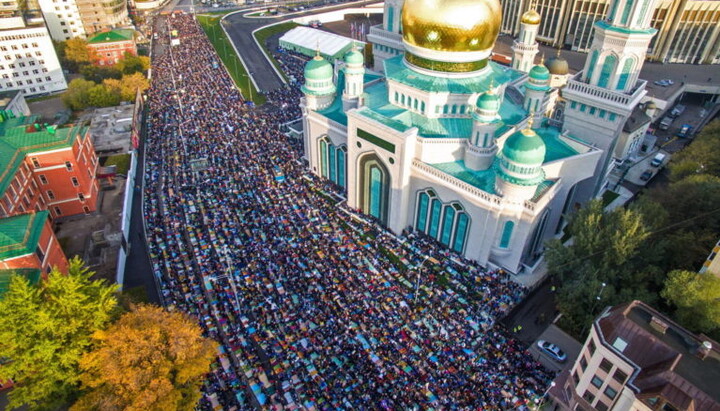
(223, 47)
(122, 161)
(608, 197)
(43, 98)
(263, 34)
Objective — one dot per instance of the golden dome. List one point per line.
(530, 17)
(451, 25)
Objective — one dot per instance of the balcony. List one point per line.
(577, 86)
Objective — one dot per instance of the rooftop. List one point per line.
(669, 364)
(329, 44)
(19, 235)
(112, 36)
(6, 97)
(111, 127)
(23, 135)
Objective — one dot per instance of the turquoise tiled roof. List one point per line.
(19, 235)
(396, 70)
(555, 148)
(484, 180)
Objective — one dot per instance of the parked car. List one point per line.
(677, 110)
(658, 160)
(685, 131)
(665, 123)
(664, 82)
(646, 176)
(552, 350)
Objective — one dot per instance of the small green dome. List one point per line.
(540, 73)
(354, 57)
(525, 147)
(488, 101)
(318, 69)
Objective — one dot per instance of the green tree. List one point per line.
(78, 52)
(150, 359)
(77, 96)
(45, 329)
(700, 157)
(131, 63)
(99, 73)
(607, 248)
(697, 299)
(101, 96)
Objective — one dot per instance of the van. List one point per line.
(658, 160)
(665, 123)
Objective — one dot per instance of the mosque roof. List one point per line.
(318, 69)
(354, 57)
(397, 71)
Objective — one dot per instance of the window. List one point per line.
(588, 396)
(507, 234)
(601, 406)
(35, 162)
(75, 181)
(68, 165)
(81, 197)
(48, 78)
(583, 363)
(50, 195)
(606, 365)
(596, 381)
(58, 212)
(610, 392)
(39, 253)
(591, 347)
(576, 378)
(43, 179)
(619, 376)
(86, 209)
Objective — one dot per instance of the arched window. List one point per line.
(341, 161)
(607, 70)
(396, 97)
(447, 225)
(454, 109)
(323, 157)
(435, 211)
(643, 12)
(461, 228)
(591, 66)
(374, 187)
(422, 107)
(506, 234)
(332, 163)
(446, 222)
(625, 74)
(462, 109)
(390, 17)
(445, 109)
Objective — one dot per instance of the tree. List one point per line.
(101, 96)
(78, 51)
(77, 95)
(99, 73)
(697, 298)
(150, 359)
(131, 64)
(130, 84)
(45, 329)
(608, 248)
(700, 157)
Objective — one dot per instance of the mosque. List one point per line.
(486, 159)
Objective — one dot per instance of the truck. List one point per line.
(665, 123)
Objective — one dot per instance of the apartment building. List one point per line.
(27, 57)
(636, 358)
(62, 18)
(102, 15)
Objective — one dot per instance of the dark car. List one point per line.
(646, 176)
(552, 350)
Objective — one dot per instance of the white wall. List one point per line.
(29, 63)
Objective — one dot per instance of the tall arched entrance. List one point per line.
(373, 187)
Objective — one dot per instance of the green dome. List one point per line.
(524, 147)
(488, 101)
(558, 66)
(540, 72)
(318, 69)
(354, 57)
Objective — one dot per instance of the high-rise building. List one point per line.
(636, 358)
(688, 30)
(63, 19)
(101, 15)
(27, 57)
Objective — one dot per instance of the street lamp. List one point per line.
(417, 282)
(539, 401)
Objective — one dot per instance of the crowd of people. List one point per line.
(314, 305)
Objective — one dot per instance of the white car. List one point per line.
(552, 350)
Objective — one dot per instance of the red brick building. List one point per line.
(27, 242)
(46, 168)
(111, 46)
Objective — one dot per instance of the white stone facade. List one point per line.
(62, 18)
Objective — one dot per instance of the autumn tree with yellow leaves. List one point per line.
(150, 359)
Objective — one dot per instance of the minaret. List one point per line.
(391, 15)
(525, 48)
(536, 88)
(519, 169)
(601, 97)
(354, 79)
(481, 147)
(319, 88)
